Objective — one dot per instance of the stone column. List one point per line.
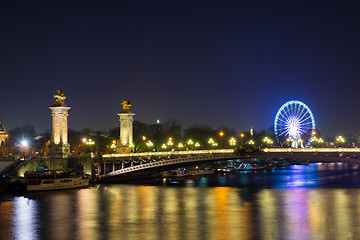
(126, 142)
(59, 147)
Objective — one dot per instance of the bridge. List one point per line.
(123, 165)
(116, 166)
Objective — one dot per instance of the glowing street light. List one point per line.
(314, 140)
(340, 139)
(24, 143)
(212, 142)
(268, 140)
(251, 142)
(149, 143)
(90, 142)
(197, 144)
(232, 141)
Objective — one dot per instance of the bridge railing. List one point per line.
(308, 150)
(149, 154)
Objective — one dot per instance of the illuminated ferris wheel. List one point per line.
(294, 124)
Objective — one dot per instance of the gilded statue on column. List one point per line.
(126, 106)
(60, 98)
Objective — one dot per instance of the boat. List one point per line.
(224, 170)
(200, 171)
(182, 172)
(54, 180)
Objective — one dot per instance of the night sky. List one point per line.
(220, 64)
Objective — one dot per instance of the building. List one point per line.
(3, 135)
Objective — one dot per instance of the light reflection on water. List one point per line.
(298, 203)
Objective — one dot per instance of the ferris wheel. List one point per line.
(294, 124)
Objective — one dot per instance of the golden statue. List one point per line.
(126, 106)
(60, 98)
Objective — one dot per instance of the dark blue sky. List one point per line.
(222, 63)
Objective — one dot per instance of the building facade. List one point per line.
(3, 135)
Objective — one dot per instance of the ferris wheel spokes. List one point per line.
(294, 124)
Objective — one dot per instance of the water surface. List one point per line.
(318, 201)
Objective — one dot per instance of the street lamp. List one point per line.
(190, 143)
(268, 140)
(24, 143)
(113, 146)
(221, 134)
(340, 139)
(90, 143)
(232, 141)
(170, 142)
(149, 143)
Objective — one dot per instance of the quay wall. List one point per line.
(56, 164)
(5, 164)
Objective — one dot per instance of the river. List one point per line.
(316, 201)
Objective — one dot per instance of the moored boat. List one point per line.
(54, 180)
